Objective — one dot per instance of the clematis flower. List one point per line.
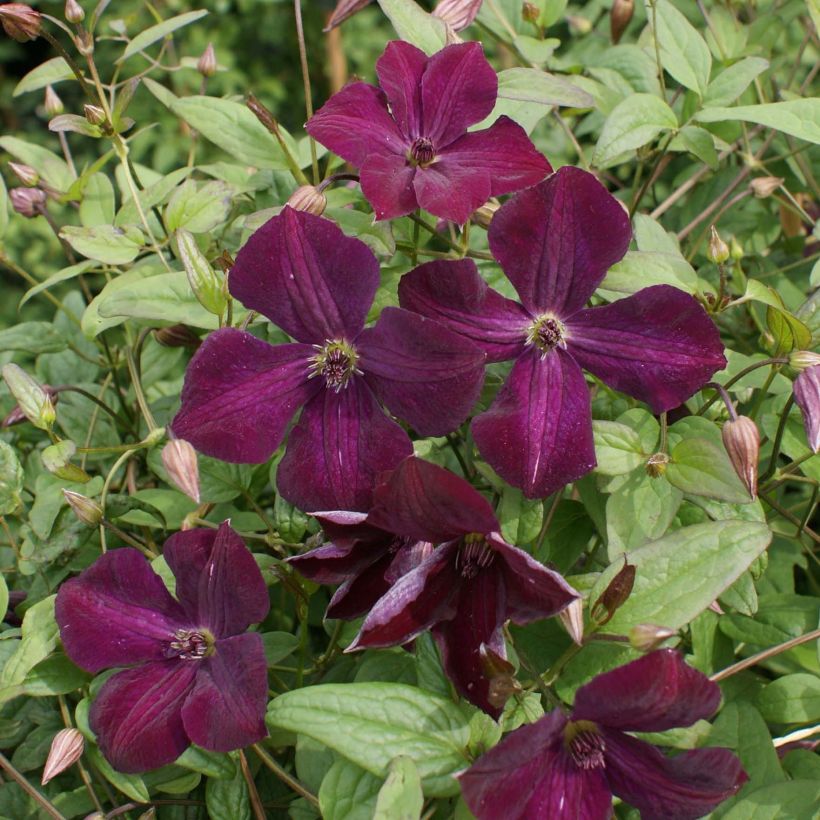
(568, 768)
(555, 242)
(194, 677)
(807, 397)
(469, 585)
(410, 140)
(317, 285)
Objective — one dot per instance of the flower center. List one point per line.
(336, 362)
(546, 333)
(474, 554)
(191, 645)
(585, 744)
(422, 152)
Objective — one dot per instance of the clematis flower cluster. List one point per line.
(193, 674)
(567, 767)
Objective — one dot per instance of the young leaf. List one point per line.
(684, 53)
(799, 118)
(699, 467)
(415, 25)
(50, 72)
(733, 81)
(401, 797)
(160, 30)
(105, 243)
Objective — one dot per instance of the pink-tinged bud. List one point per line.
(501, 674)
(343, 10)
(717, 251)
(615, 595)
(458, 14)
(86, 509)
(619, 18)
(530, 12)
(799, 360)
(572, 619)
(807, 396)
(66, 750)
(307, 198)
(94, 114)
(765, 186)
(177, 336)
(206, 65)
(20, 22)
(648, 637)
(17, 416)
(25, 173)
(53, 105)
(34, 402)
(741, 439)
(656, 465)
(180, 462)
(28, 202)
(74, 12)
(484, 215)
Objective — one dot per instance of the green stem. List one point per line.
(764, 655)
(738, 376)
(300, 38)
(778, 439)
(45, 804)
(284, 776)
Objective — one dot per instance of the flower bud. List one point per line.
(718, 250)
(86, 509)
(578, 24)
(53, 104)
(28, 202)
(619, 17)
(34, 402)
(343, 10)
(308, 198)
(17, 416)
(94, 114)
(799, 360)
(74, 12)
(484, 215)
(530, 12)
(179, 460)
(656, 465)
(572, 619)
(205, 283)
(741, 439)
(206, 65)
(646, 637)
(807, 397)
(765, 186)
(57, 460)
(20, 22)
(25, 173)
(735, 250)
(615, 595)
(177, 336)
(66, 750)
(458, 14)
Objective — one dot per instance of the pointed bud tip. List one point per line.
(20, 22)
(66, 749)
(25, 173)
(800, 360)
(648, 637)
(180, 461)
(52, 104)
(572, 619)
(206, 65)
(741, 438)
(73, 12)
(619, 18)
(717, 250)
(86, 509)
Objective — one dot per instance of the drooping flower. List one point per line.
(316, 284)
(194, 677)
(469, 585)
(807, 397)
(410, 139)
(568, 768)
(555, 242)
(20, 21)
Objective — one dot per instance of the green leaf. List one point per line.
(278, 645)
(733, 81)
(698, 142)
(698, 467)
(160, 30)
(50, 72)
(290, 522)
(371, 723)
(49, 166)
(118, 505)
(415, 25)
(151, 196)
(401, 797)
(684, 53)
(55, 675)
(618, 448)
(795, 800)
(105, 243)
(520, 517)
(4, 210)
(788, 331)
(799, 118)
(32, 337)
(791, 699)
(227, 798)
(75, 124)
(4, 591)
(211, 764)
(131, 785)
(199, 208)
(348, 792)
(641, 269)
(97, 205)
(679, 575)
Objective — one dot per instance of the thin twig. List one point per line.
(764, 655)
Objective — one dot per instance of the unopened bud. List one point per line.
(180, 462)
(656, 465)
(25, 173)
(647, 637)
(530, 12)
(53, 104)
(17, 416)
(458, 14)
(801, 359)
(572, 619)
(343, 10)
(20, 22)
(34, 402)
(86, 509)
(615, 595)
(765, 186)
(177, 336)
(206, 65)
(484, 215)
(308, 198)
(28, 202)
(66, 750)
(807, 397)
(74, 12)
(619, 18)
(741, 439)
(735, 250)
(57, 460)
(94, 114)
(501, 675)
(206, 284)
(578, 24)
(718, 250)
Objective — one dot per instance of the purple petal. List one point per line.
(451, 190)
(424, 373)
(479, 616)
(387, 183)
(240, 393)
(226, 707)
(458, 89)
(454, 294)
(684, 787)
(400, 70)
(307, 277)
(335, 563)
(343, 441)
(657, 345)
(656, 692)
(218, 581)
(533, 591)
(568, 792)
(137, 715)
(537, 434)
(360, 593)
(355, 123)
(807, 396)
(423, 501)
(503, 150)
(117, 613)
(414, 603)
(556, 241)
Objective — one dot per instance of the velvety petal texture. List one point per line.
(807, 397)
(387, 182)
(450, 190)
(400, 70)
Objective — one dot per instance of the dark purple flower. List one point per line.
(555, 242)
(317, 284)
(469, 585)
(410, 139)
(568, 768)
(194, 676)
(807, 397)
